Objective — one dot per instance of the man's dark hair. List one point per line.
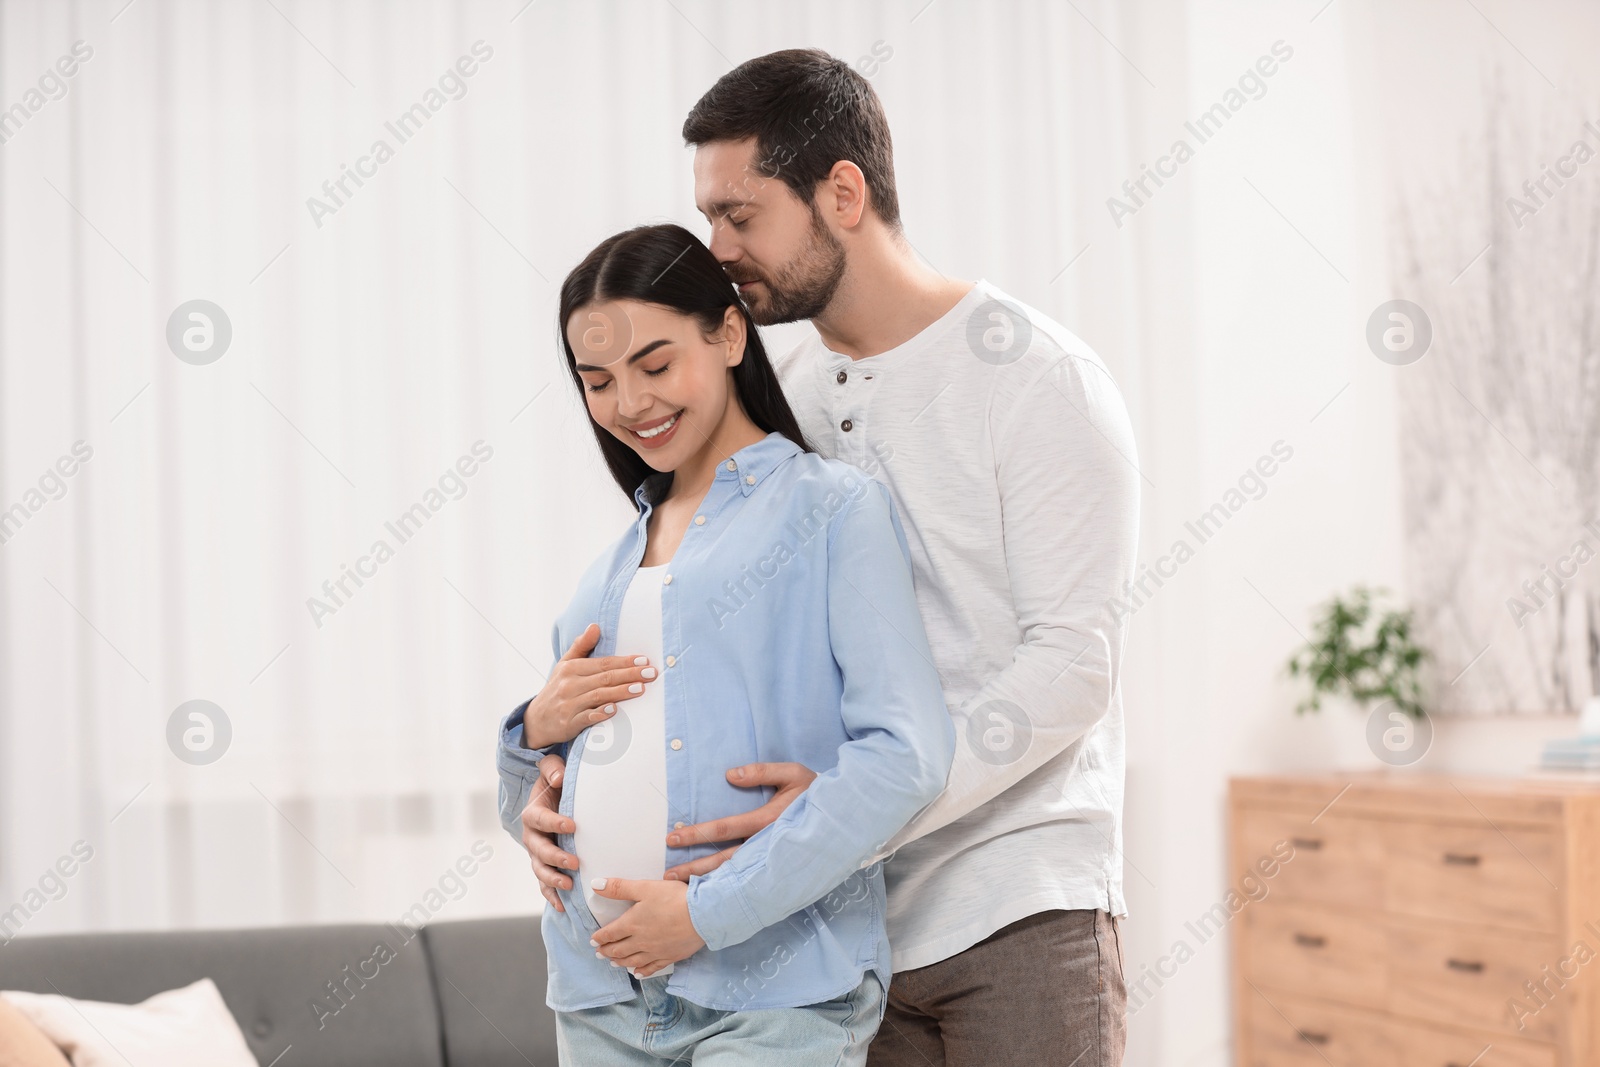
(807, 110)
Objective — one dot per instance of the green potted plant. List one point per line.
(1363, 651)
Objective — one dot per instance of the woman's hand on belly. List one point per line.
(654, 932)
(582, 691)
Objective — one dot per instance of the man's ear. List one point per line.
(842, 195)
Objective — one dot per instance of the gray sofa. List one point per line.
(455, 993)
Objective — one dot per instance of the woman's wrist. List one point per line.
(536, 735)
(531, 738)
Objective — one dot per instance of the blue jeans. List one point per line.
(657, 1028)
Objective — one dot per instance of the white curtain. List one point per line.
(378, 336)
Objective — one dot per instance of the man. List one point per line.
(1010, 458)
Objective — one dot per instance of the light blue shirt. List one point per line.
(791, 632)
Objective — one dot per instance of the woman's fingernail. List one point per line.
(555, 778)
(598, 955)
(737, 772)
(648, 672)
(598, 884)
(640, 661)
(610, 709)
(614, 963)
(636, 687)
(594, 944)
(672, 839)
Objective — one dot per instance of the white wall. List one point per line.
(1255, 333)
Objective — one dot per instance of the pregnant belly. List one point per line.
(621, 803)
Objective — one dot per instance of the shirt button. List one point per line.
(699, 520)
(672, 661)
(732, 465)
(840, 378)
(677, 826)
(750, 479)
(676, 744)
(666, 579)
(846, 425)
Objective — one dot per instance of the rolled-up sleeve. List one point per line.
(900, 745)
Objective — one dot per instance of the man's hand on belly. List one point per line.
(540, 823)
(790, 780)
(654, 932)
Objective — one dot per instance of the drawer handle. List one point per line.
(1312, 1037)
(1310, 940)
(1468, 966)
(1308, 843)
(1461, 859)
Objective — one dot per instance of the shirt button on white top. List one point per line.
(699, 520)
(842, 377)
(845, 426)
(676, 744)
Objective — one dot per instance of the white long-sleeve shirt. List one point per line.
(1008, 451)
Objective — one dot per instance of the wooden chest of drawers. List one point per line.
(1417, 921)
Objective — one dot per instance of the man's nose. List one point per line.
(723, 246)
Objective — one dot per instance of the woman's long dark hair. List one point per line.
(668, 266)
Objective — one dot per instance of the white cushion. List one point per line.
(188, 1027)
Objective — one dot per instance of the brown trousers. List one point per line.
(1045, 991)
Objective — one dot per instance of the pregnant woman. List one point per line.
(758, 608)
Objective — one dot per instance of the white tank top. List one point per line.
(621, 801)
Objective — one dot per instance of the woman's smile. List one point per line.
(657, 432)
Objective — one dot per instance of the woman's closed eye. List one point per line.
(596, 387)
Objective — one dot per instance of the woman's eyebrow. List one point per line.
(645, 351)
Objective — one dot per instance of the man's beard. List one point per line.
(803, 289)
